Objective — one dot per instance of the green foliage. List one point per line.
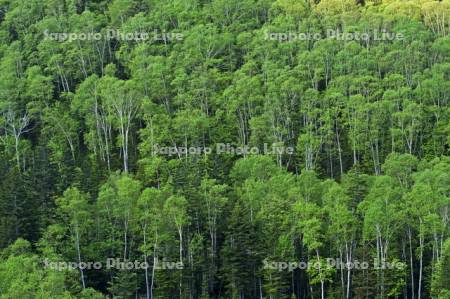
(96, 140)
(441, 280)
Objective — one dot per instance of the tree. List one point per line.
(310, 226)
(381, 213)
(76, 210)
(16, 125)
(239, 268)
(215, 200)
(21, 275)
(119, 197)
(440, 281)
(150, 205)
(343, 228)
(175, 208)
(122, 101)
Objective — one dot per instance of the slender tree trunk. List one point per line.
(339, 149)
(16, 146)
(155, 259)
(147, 287)
(322, 282)
(77, 243)
(349, 260)
(421, 241)
(342, 274)
(180, 232)
(411, 265)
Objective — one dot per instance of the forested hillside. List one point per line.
(224, 149)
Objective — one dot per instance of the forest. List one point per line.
(240, 149)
